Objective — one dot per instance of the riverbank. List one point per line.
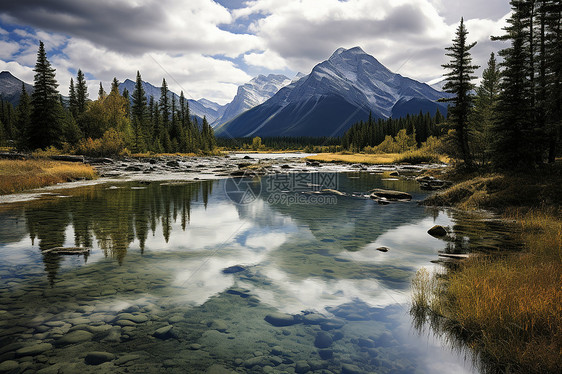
(506, 307)
(414, 157)
(21, 175)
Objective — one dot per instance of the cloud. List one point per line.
(7, 49)
(134, 27)
(408, 36)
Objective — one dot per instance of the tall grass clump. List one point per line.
(18, 175)
(509, 308)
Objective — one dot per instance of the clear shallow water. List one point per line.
(181, 279)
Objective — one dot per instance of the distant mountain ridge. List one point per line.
(10, 88)
(337, 93)
(199, 108)
(253, 93)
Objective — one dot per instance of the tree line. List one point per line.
(514, 121)
(111, 124)
(373, 132)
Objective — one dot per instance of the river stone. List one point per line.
(437, 231)
(124, 323)
(74, 337)
(163, 332)
(391, 195)
(326, 354)
(96, 358)
(218, 325)
(382, 249)
(34, 350)
(313, 319)
(137, 318)
(281, 319)
(323, 340)
(350, 369)
(259, 361)
(126, 359)
(8, 366)
(302, 367)
(218, 369)
(277, 350)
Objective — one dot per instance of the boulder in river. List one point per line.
(437, 231)
(390, 195)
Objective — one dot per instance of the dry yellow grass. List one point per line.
(17, 175)
(511, 307)
(363, 158)
(355, 158)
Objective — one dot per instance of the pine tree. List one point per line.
(513, 132)
(72, 100)
(127, 98)
(459, 83)
(165, 104)
(46, 126)
(101, 93)
(485, 110)
(24, 119)
(139, 112)
(81, 92)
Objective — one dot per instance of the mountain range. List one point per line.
(337, 93)
(10, 88)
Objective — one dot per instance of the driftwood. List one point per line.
(67, 250)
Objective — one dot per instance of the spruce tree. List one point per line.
(72, 100)
(459, 83)
(24, 119)
(485, 110)
(513, 132)
(46, 125)
(165, 104)
(81, 92)
(101, 93)
(139, 114)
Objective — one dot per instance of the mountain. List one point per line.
(200, 109)
(253, 93)
(337, 93)
(10, 88)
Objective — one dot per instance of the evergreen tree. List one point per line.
(139, 114)
(127, 98)
(24, 119)
(459, 83)
(81, 92)
(46, 125)
(114, 85)
(513, 131)
(165, 104)
(72, 100)
(101, 93)
(485, 110)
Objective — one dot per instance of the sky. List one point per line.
(208, 48)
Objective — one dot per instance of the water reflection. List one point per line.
(160, 249)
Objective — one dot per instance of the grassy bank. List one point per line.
(508, 308)
(413, 157)
(17, 175)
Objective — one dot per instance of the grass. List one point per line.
(414, 157)
(508, 308)
(17, 175)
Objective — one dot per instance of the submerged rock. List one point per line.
(34, 350)
(350, 369)
(382, 249)
(390, 195)
(323, 340)
(281, 319)
(74, 337)
(96, 358)
(163, 332)
(437, 231)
